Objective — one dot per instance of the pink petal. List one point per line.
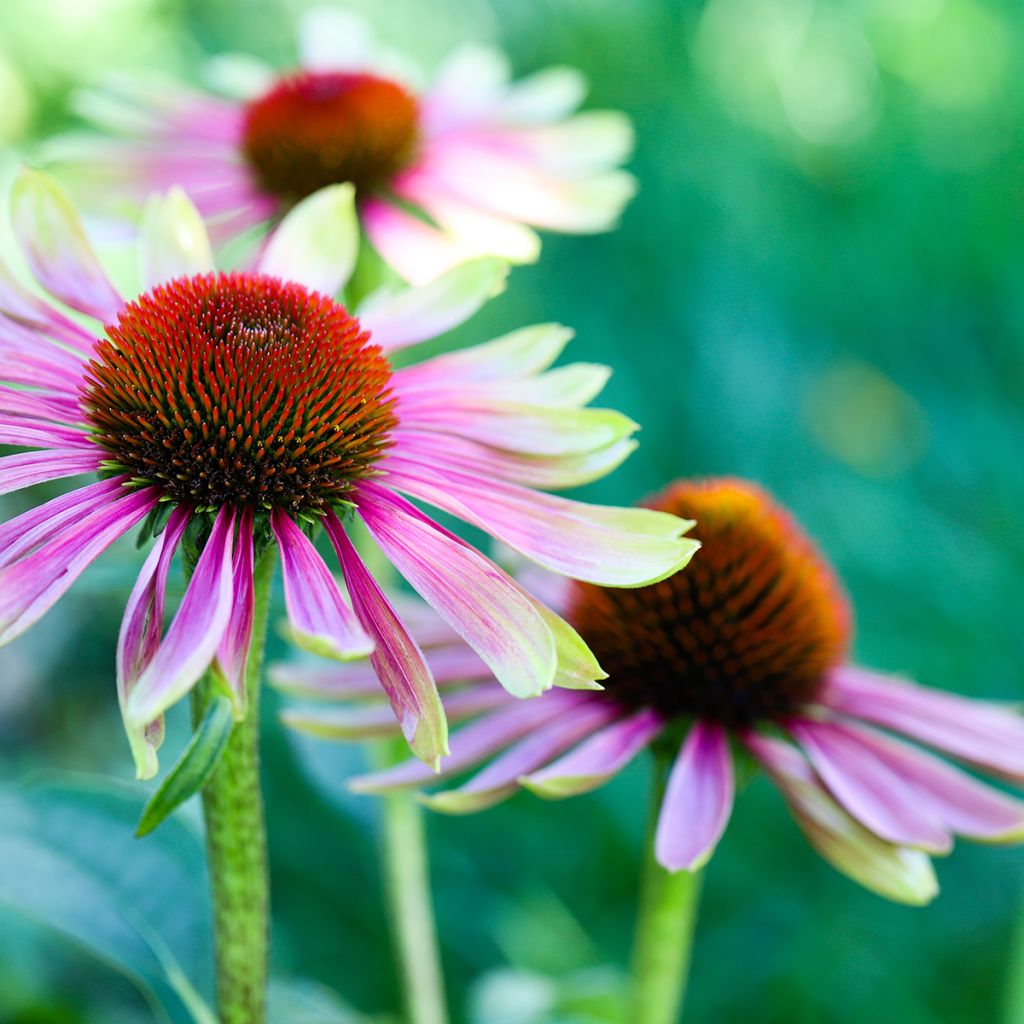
(31, 586)
(321, 621)
(467, 590)
(396, 656)
(233, 651)
(894, 872)
(28, 468)
(139, 637)
(511, 187)
(38, 524)
(406, 317)
(500, 779)
(964, 805)
(868, 787)
(21, 305)
(417, 251)
(56, 248)
(698, 800)
(473, 743)
(595, 761)
(983, 734)
(35, 434)
(472, 229)
(546, 473)
(192, 639)
(595, 543)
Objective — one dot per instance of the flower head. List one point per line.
(235, 412)
(464, 166)
(746, 649)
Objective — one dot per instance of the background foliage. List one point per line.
(819, 287)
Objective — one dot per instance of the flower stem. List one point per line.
(410, 908)
(236, 840)
(666, 921)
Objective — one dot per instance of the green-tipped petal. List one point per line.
(317, 242)
(416, 314)
(173, 241)
(56, 247)
(894, 872)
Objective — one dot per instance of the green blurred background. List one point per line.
(819, 287)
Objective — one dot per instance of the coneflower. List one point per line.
(746, 652)
(464, 166)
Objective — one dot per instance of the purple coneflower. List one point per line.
(745, 651)
(459, 168)
(233, 412)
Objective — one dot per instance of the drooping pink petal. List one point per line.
(596, 760)
(964, 805)
(233, 651)
(143, 621)
(396, 656)
(320, 620)
(139, 637)
(596, 543)
(28, 468)
(473, 743)
(868, 787)
(191, 641)
(698, 800)
(31, 586)
(895, 872)
(23, 533)
(56, 248)
(500, 779)
(469, 592)
(983, 734)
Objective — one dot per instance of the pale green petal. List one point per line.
(173, 241)
(545, 95)
(518, 354)
(397, 319)
(317, 242)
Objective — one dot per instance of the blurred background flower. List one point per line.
(817, 287)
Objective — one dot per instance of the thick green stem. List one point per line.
(410, 908)
(665, 925)
(236, 840)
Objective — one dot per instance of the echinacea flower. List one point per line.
(745, 649)
(464, 166)
(242, 409)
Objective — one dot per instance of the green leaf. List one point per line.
(297, 1001)
(194, 767)
(69, 862)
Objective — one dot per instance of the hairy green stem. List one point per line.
(666, 921)
(236, 839)
(410, 908)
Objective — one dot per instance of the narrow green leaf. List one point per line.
(194, 767)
